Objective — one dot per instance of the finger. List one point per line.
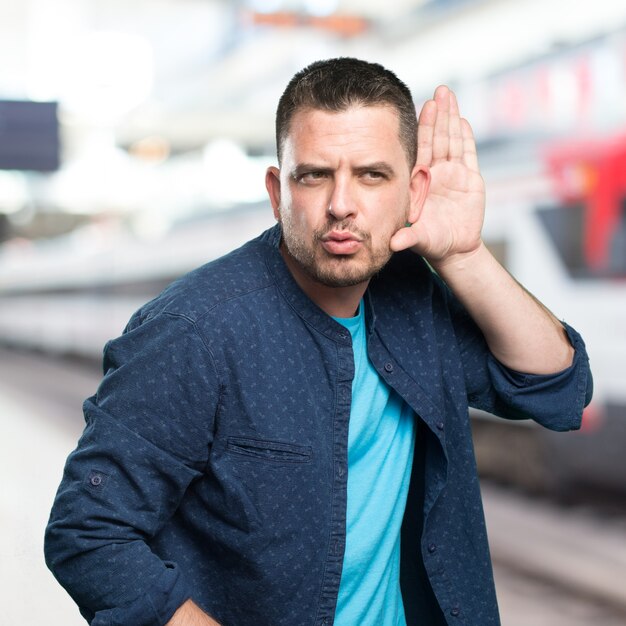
(455, 132)
(425, 131)
(441, 138)
(470, 157)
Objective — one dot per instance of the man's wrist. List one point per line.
(460, 261)
(190, 614)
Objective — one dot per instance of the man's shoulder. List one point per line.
(229, 277)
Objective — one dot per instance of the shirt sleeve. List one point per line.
(147, 437)
(555, 401)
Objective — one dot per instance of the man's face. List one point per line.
(344, 188)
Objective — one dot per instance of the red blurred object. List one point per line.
(344, 25)
(592, 172)
(593, 418)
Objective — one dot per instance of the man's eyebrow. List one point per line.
(303, 168)
(378, 166)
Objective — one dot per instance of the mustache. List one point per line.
(346, 225)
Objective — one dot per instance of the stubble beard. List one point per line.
(335, 270)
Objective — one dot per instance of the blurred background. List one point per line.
(134, 137)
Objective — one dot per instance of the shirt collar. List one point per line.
(298, 300)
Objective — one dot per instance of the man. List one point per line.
(282, 436)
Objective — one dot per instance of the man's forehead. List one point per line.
(376, 123)
(367, 111)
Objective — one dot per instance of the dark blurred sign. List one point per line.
(29, 136)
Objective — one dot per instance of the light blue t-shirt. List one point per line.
(380, 455)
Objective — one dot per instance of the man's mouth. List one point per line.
(341, 242)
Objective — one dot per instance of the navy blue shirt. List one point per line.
(213, 464)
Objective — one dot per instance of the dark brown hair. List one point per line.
(336, 85)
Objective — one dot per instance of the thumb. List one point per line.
(408, 237)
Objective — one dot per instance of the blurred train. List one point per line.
(556, 218)
(561, 231)
(70, 295)
(554, 159)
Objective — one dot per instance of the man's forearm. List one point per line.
(520, 331)
(190, 614)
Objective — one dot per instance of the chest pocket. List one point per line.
(272, 451)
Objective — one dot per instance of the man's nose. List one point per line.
(342, 201)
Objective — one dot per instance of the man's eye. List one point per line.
(311, 177)
(373, 175)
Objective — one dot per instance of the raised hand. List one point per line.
(450, 220)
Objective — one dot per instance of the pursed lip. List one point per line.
(341, 242)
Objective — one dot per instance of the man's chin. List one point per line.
(333, 270)
(341, 281)
(346, 273)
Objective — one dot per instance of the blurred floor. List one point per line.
(525, 601)
(41, 420)
(33, 448)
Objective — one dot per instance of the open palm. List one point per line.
(450, 221)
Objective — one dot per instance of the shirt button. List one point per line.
(96, 480)
(432, 548)
(388, 367)
(440, 425)
(455, 611)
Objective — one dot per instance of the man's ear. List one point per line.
(419, 186)
(272, 184)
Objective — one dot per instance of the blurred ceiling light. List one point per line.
(313, 7)
(153, 149)
(14, 193)
(101, 177)
(106, 75)
(231, 176)
(48, 31)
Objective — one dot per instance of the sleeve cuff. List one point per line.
(155, 608)
(554, 400)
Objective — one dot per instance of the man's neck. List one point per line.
(335, 301)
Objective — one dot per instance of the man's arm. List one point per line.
(148, 435)
(520, 332)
